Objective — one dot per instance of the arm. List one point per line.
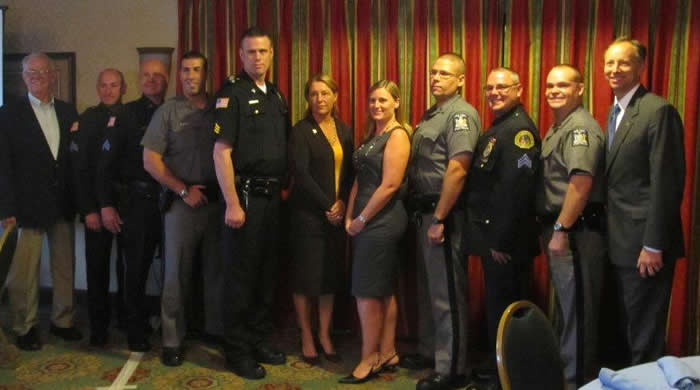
(223, 163)
(107, 175)
(7, 200)
(81, 149)
(154, 165)
(351, 205)
(394, 164)
(577, 192)
(303, 181)
(452, 184)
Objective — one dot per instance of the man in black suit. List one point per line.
(645, 170)
(35, 182)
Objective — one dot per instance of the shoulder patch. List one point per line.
(461, 122)
(221, 102)
(75, 126)
(524, 139)
(580, 137)
(217, 128)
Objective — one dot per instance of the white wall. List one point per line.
(102, 33)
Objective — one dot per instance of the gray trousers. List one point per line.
(190, 235)
(578, 280)
(23, 276)
(441, 288)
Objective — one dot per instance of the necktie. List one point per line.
(612, 122)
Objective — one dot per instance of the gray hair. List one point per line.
(37, 54)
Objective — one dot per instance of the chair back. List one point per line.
(527, 350)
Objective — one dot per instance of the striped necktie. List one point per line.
(612, 124)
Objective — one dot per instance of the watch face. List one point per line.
(557, 227)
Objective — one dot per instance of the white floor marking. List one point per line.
(120, 382)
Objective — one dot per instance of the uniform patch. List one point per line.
(106, 146)
(74, 126)
(217, 128)
(524, 161)
(461, 122)
(487, 151)
(112, 120)
(74, 147)
(222, 103)
(580, 137)
(524, 139)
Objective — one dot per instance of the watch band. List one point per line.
(435, 221)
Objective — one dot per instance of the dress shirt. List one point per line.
(46, 115)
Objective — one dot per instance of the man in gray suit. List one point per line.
(645, 170)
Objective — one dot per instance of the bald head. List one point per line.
(154, 79)
(110, 86)
(456, 60)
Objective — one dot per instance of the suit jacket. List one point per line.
(313, 169)
(35, 186)
(645, 173)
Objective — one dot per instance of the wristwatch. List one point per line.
(558, 227)
(436, 221)
(183, 193)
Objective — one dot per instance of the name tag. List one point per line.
(111, 121)
(256, 101)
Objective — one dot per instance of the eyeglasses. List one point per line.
(37, 73)
(441, 74)
(499, 88)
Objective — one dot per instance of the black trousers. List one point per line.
(250, 267)
(98, 250)
(141, 232)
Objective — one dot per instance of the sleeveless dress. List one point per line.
(375, 248)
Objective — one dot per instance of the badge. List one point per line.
(524, 161)
(217, 128)
(461, 122)
(111, 121)
(580, 137)
(73, 146)
(221, 102)
(487, 150)
(524, 139)
(74, 127)
(106, 146)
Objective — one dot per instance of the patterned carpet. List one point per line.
(77, 366)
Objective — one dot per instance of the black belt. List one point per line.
(423, 203)
(592, 217)
(146, 188)
(258, 185)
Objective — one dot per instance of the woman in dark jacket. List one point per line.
(321, 148)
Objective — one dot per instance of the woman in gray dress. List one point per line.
(376, 220)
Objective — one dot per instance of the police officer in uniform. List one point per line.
(501, 203)
(85, 150)
(250, 156)
(441, 153)
(570, 208)
(178, 147)
(126, 190)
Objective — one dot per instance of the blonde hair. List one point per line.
(330, 83)
(393, 90)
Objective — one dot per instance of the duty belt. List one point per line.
(423, 203)
(144, 188)
(258, 185)
(592, 217)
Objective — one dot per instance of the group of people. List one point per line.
(145, 169)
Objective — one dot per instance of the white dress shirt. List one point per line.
(48, 121)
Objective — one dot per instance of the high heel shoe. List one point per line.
(388, 364)
(331, 357)
(353, 380)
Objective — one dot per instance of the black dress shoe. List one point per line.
(172, 357)
(139, 346)
(353, 380)
(246, 367)
(416, 361)
(68, 334)
(29, 341)
(310, 360)
(435, 381)
(332, 357)
(98, 339)
(268, 355)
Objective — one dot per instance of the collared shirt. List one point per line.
(48, 121)
(574, 146)
(623, 103)
(444, 131)
(181, 133)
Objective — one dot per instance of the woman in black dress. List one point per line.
(376, 220)
(321, 148)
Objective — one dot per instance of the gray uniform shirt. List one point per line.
(182, 134)
(444, 131)
(573, 147)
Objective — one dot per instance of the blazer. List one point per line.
(313, 168)
(35, 186)
(645, 173)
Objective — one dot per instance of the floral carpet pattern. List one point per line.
(76, 366)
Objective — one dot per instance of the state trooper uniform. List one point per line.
(444, 131)
(124, 183)
(575, 146)
(256, 124)
(85, 151)
(181, 133)
(501, 212)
